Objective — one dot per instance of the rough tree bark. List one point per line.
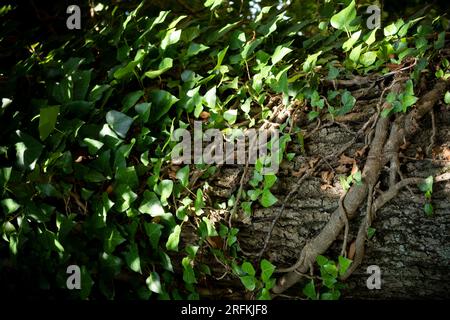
(412, 250)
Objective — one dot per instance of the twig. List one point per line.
(345, 218)
(433, 134)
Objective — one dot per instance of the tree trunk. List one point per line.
(411, 249)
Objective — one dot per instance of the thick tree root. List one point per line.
(384, 148)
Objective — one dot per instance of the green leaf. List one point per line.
(164, 65)
(199, 204)
(248, 268)
(310, 62)
(86, 283)
(447, 97)
(265, 294)
(151, 204)
(154, 283)
(183, 176)
(9, 206)
(368, 58)
(213, 4)
(427, 185)
(355, 53)
(321, 260)
(188, 271)
(131, 99)
(119, 122)
(174, 239)
(165, 188)
(428, 208)
(153, 232)
(280, 53)
(47, 121)
(113, 240)
(269, 180)
(195, 48)
(310, 290)
(220, 57)
(370, 232)
(230, 116)
(267, 270)
(132, 258)
(268, 199)
(28, 150)
(172, 36)
(370, 38)
(93, 145)
(81, 80)
(211, 97)
(162, 101)
(5, 174)
(207, 228)
(342, 19)
(351, 41)
(249, 282)
(344, 263)
(390, 30)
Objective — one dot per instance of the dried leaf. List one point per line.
(354, 168)
(346, 160)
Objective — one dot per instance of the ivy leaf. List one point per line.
(368, 58)
(132, 258)
(310, 62)
(310, 290)
(269, 180)
(355, 53)
(230, 116)
(248, 268)
(267, 199)
(162, 101)
(344, 263)
(351, 41)
(153, 231)
(279, 54)
(390, 30)
(154, 283)
(370, 232)
(188, 271)
(183, 176)
(164, 65)
(165, 188)
(447, 97)
(151, 205)
(174, 239)
(267, 270)
(131, 99)
(113, 240)
(119, 122)
(342, 19)
(428, 208)
(249, 282)
(427, 185)
(47, 121)
(172, 36)
(28, 150)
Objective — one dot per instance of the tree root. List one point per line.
(384, 148)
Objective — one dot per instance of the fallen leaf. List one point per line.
(346, 160)
(342, 169)
(354, 168)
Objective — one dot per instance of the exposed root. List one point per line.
(384, 148)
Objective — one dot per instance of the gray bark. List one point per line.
(412, 250)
